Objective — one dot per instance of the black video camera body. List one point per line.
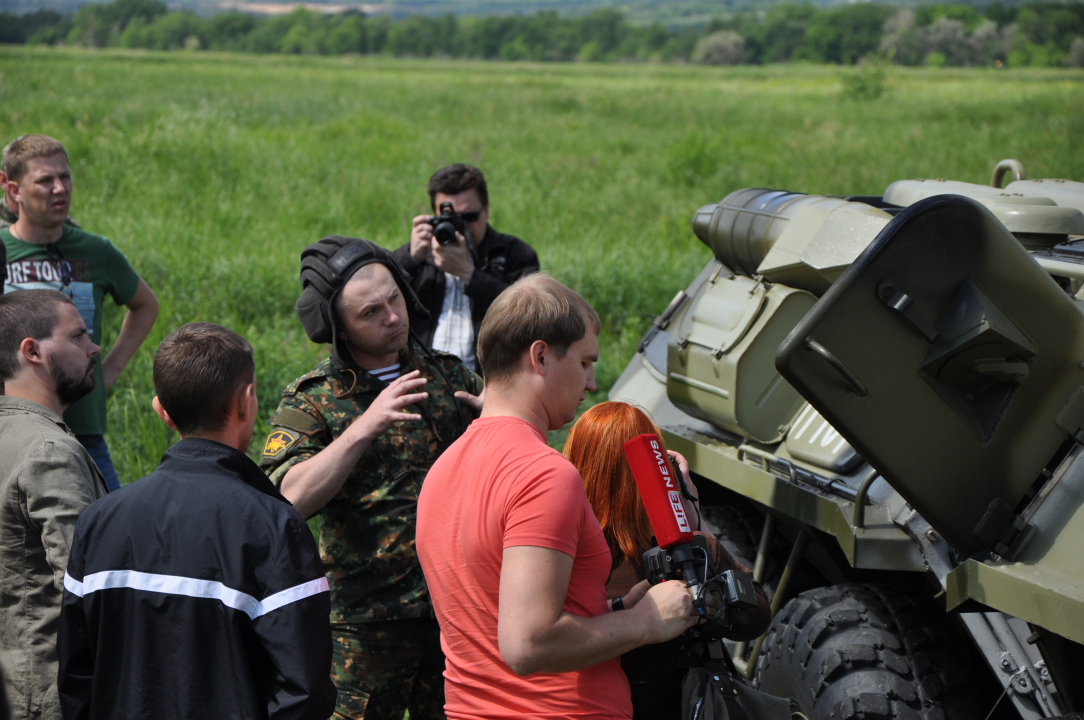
(447, 224)
(724, 600)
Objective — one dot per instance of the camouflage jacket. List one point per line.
(367, 530)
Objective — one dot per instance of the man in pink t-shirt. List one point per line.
(514, 558)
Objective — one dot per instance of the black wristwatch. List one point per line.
(617, 604)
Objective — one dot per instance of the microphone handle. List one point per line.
(682, 555)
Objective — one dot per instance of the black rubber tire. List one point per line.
(871, 652)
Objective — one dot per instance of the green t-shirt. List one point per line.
(91, 267)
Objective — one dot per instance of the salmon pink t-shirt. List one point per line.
(501, 486)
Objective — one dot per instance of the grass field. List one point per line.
(212, 172)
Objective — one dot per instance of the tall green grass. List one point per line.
(213, 171)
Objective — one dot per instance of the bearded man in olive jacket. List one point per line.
(47, 479)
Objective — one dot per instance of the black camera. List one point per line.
(447, 224)
(724, 600)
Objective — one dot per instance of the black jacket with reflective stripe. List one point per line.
(195, 592)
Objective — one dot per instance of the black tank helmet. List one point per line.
(326, 267)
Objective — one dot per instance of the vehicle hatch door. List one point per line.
(949, 359)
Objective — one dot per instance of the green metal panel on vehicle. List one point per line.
(1046, 583)
(946, 356)
(813, 440)
(880, 545)
(819, 243)
(1030, 592)
(720, 360)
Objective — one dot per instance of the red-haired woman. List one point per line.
(595, 447)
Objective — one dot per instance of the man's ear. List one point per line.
(242, 401)
(11, 188)
(162, 413)
(536, 356)
(30, 350)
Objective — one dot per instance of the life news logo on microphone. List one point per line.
(659, 490)
(662, 461)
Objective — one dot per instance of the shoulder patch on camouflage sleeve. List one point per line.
(294, 420)
(278, 442)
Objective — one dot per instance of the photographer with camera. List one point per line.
(457, 263)
(594, 447)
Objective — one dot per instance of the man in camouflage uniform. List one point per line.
(355, 448)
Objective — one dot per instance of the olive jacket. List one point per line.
(47, 479)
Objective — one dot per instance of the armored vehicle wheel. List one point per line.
(866, 652)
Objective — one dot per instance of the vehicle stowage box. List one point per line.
(721, 360)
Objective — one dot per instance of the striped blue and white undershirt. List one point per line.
(387, 374)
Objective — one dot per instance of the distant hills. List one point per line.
(672, 13)
(1039, 33)
(668, 12)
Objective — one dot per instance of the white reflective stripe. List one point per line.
(193, 587)
(171, 585)
(297, 592)
(72, 585)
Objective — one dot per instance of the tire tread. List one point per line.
(868, 652)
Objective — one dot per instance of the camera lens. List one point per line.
(444, 232)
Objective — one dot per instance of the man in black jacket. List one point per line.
(458, 282)
(197, 591)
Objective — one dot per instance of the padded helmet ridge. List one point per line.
(326, 267)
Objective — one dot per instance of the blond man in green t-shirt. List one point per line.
(45, 252)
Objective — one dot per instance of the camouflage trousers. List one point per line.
(384, 669)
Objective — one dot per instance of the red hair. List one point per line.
(595, 447)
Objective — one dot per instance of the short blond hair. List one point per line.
(536, 307)
(22, 150)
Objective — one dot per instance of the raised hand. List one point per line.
(421, 239)
(683, 466)
(387, 409)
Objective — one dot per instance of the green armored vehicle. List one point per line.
(882, 400)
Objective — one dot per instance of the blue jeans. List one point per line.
(99, 451)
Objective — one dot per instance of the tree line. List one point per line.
(1032, 34)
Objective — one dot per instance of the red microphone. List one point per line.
(680, 554)
(659, 491)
